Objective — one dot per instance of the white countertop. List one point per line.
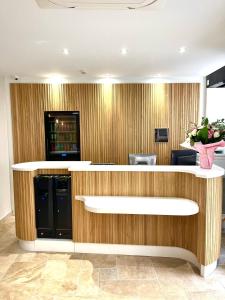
(35, 165)
(86, 166)
(163, 206)
(216, 171)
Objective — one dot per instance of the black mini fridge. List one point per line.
(63, 207)
(53, 206)
(62, 135)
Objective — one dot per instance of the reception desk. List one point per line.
(172, 211)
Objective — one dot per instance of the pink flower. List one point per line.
(210, 133)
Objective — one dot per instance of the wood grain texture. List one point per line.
(24, 205)
(115, 119)
(24, 199)
(199, 233)
(209, 220)
(53, 171)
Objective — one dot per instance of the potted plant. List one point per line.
(205, 139)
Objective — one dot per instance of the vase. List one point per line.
(207, 153)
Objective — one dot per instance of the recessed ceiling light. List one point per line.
(55, 79)
(182, 50)
(65, 51)
(124, 51)
(107, 79)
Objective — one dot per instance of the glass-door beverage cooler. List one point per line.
(62, 135)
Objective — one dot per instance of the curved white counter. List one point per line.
(35, 165)
(156, 210)
(161, 206)
(86, 166)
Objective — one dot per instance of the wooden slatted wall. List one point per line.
(115, 119)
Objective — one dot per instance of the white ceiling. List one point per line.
(32, 41)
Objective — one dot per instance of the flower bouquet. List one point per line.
(206, 139)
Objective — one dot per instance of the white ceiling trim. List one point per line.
(98, 4)
(196, 79)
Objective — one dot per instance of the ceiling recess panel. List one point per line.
(99, 4)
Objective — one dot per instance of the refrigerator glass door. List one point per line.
(62, 130)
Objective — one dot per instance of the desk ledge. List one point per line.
(35, 165)
(195, 170)
(166, 206)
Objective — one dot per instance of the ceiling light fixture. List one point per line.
(65, 51)
(107, 79)
(124, 51)
(55, 79)
(182, 50)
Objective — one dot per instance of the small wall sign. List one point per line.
(161, 135)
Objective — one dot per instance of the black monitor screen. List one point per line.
(183, 157)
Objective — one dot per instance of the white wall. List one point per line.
(215, 104)
(5, 150)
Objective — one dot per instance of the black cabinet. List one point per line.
(53, 206)
(44, 206)
(63, 207)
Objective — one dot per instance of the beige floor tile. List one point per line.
(54, 269)
(10, 247)
(54, 279)
(62, 276)
(101, 260)
(166, 262)
(76, 256)
(5, 262)
(58, 256)
(104, 297)
(26, 257)
(219, 275)
(173, 290)
(136, 272)
(184, 277)
(207, 296)
(130, 260)
(22, 295)
(21, 273)
(107, 274)
(138, 288)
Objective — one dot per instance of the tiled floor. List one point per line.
(35, 276)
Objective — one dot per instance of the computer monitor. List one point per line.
(183, 157)
(142, 159)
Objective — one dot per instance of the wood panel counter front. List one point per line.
(200, 233)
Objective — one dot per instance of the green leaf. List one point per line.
(205, 121)
(203, 134)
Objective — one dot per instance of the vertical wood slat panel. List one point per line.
(24, 205)
(209, 221)
(115, 119)
(199, 233)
